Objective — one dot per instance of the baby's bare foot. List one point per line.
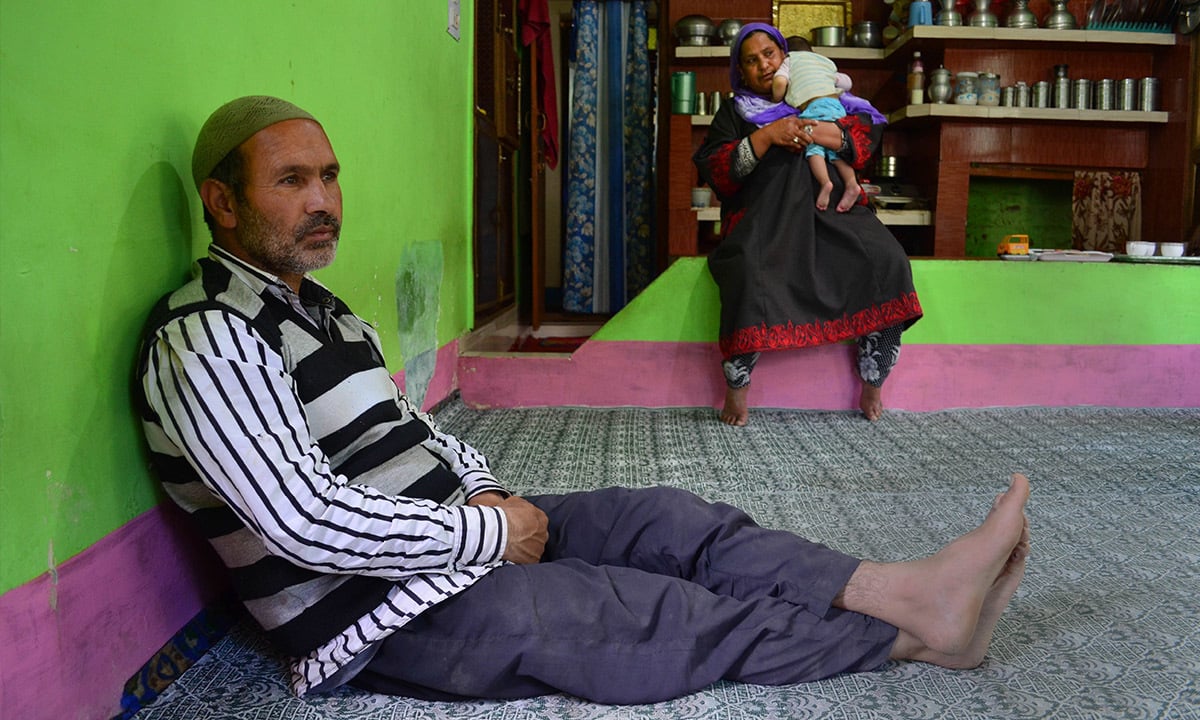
(849, 197)
(823, 196)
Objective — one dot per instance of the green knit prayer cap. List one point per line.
(233, 124)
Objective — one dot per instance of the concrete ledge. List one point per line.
(927, 378)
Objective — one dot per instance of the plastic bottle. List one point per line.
(916, 80)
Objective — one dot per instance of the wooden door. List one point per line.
(497, 134)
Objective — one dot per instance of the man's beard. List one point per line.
(279, 250)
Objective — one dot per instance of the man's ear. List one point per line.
(219, 201)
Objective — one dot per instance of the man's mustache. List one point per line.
(316, 222)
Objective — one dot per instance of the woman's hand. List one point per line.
(795, 134)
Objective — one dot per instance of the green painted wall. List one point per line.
(99, 106)
(997, 207)
(973, 302)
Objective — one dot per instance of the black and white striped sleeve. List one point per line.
(225, 401)
(470, 465)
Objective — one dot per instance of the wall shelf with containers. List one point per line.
(944, 145)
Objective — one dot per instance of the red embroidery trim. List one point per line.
(790, 336)
(720, 169)
(859, 136)
(732, 221)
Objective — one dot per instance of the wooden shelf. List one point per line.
(887, 217)
(912, 218)
(950, 111)
(700, 52)
(973, 36)
(1016, 36)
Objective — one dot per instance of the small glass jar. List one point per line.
(966, 89)
(989, 89)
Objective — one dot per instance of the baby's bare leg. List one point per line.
(850, 180)
(821, 172)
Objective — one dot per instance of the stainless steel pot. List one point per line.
(867, 34)
(829, 36)
(728, 30)
(695, 30)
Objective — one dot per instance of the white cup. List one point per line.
(1171, 249)
(1140, 249)
(701, 197)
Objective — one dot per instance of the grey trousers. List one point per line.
(642, 596)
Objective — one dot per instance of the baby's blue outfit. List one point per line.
(824, 108)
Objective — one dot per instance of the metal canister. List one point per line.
(1081, 94)
(1062, 92)
(701, 103)
(1127, 94)
(1021, 93)
(1148, 94)
(683, 92)
(1041, 94)
(715, 104)
(1008, 96)
(1104, 94)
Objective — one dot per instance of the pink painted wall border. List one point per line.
(70, 640)
(928, 377)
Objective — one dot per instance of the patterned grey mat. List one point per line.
(1105, 625)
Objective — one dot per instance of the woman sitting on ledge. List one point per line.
(789, 275)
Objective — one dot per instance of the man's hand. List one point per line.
(527, 531)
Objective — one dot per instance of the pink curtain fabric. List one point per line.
(1106, 210)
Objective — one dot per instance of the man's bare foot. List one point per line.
(994, 605)
(849, 197)
(946, 605)
(736, 412)
(823, 196)
(871, 402)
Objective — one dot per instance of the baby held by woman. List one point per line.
(809, 82)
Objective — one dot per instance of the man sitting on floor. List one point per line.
(378, 551)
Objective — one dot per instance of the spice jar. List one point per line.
(966, 91)
(989, 89)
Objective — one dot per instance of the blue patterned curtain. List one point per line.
(609, 247)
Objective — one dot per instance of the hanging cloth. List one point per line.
(535, 33)
(1106, 210)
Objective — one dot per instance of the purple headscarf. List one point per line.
(751, 106)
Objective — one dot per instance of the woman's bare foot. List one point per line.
(849, 197)
(736, 412)
(947, 605)
(823, 196)
(871, 402)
